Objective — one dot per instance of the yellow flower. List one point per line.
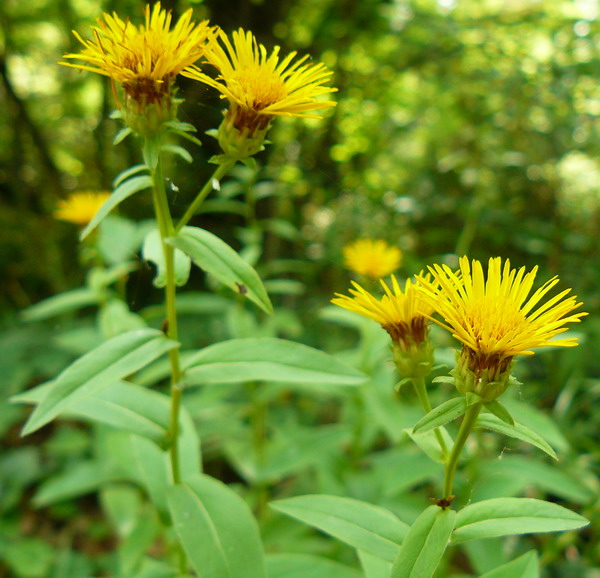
(403, 314)
(260, 86)
(80, 208)
(373, 258)
(494, 317)
(144, 59)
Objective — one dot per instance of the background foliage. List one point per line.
(459, 123)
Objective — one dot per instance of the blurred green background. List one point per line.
(461, 124)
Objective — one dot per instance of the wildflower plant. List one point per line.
(143, 62)
(197, 523)
(495, 318)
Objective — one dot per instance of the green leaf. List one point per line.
(500, 412)
(444, 379)
(424, 544)
(122, 135)
(518, 431)
(359, 524)
(190, 451)
(28, 557)
(441, 415)
(217, 529)
(152, 469)
(218, 259)
(137, 526)
(153, 251)
(507, 516)
(121, 404)
(121, 504)
(304, 565)
(373, 566)
(525, 566)
(288, 452)
(138, 540)
(134, 170)
(177, 125)
(60, 304)
(122, 192)
(151, 152)
(572, 482)
(115, 318)
(177, 150)
(112, 361)
(539, 422)
(267, 359)
(80, 479)
(429, 444)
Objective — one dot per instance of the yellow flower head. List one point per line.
(403, 314)
(373, 258)
(494, 317)
(144, 59)
(80, 208)
(260, 86)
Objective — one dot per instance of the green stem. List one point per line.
(166, 230)
(219, 173)
(421, 391)
(464, 431)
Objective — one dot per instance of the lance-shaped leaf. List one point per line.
(112, 361)
(63, 303)
(121, 404)
(424, 544)
(303, 565)
(267, 359)
(218, 259)
(153, 251)
(122, 192)
(366, 527)
(500, 411)
(517, 431)
(506, 516)
(525, 566)
(442, 414)
(217, 529)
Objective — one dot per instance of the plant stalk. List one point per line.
(166, 230)
(219, 173)
(464, 431)
(421, 391)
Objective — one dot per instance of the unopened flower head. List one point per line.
(372, 258)
(260, 86)
(144, 59)
(496, 319)
(80, 207)
(404, 315)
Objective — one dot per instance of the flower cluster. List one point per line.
(145, 60)
(493, 316)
